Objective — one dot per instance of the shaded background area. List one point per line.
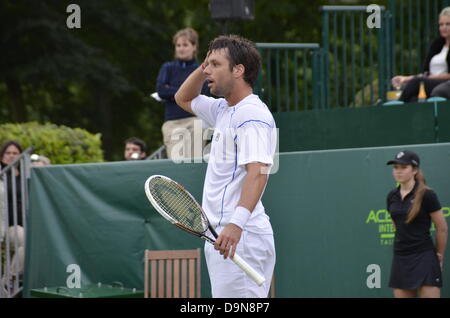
(99, 77)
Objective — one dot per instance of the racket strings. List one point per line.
(178, 204)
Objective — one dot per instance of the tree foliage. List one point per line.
(62, 145)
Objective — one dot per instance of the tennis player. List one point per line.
(417, 263)
(242, 153)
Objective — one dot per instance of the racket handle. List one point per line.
(257, 278)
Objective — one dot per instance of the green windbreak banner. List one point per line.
(333, 234)
(97, 217)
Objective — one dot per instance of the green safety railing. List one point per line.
(356, 66)
(290, 79)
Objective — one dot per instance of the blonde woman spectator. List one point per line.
(436, 68)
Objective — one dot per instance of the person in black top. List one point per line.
(170, 77)
(436, 67)
(417, 263)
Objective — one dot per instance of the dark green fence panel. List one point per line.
(443, 121)
(357, 127)
(332, 232)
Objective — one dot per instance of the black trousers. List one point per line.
(442, 90)
(411, 90)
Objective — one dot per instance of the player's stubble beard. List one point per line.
(223, 90)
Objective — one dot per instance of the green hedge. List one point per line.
(61, 144)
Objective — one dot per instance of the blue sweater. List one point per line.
(170, 77)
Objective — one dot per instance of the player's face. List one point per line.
(403, 173)
(220, 78)
(10, 154)
(132, 152)
(184, 50)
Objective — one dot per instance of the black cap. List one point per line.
(406, 157)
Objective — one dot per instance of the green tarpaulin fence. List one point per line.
(332, 233)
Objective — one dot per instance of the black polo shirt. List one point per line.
(414, 237)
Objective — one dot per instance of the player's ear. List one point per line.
(238, 70)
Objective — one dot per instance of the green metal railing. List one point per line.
(290, 79)
(355, 58)
(355, 64)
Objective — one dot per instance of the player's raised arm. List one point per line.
(191, 88)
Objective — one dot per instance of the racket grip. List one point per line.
(253, 274)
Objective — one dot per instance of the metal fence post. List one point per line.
(325, 44)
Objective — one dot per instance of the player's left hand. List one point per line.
(228, 240)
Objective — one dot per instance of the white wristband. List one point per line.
(240, 216)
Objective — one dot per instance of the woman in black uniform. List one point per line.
(417, 263)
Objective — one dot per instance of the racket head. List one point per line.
(179, 207)
(176, 204)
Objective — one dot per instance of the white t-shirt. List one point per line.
(243, 133)
(438, 64)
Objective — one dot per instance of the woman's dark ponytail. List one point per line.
(418, 197)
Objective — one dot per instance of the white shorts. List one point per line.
(229, 281)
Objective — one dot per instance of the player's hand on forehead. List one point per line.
(206, 62)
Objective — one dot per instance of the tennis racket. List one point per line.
(180, 208)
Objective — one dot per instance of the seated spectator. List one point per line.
(39, 160)
(436, 69)
(135, 149)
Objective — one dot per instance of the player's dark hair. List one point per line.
(240, 51)
(418, 196)
(137, 142)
